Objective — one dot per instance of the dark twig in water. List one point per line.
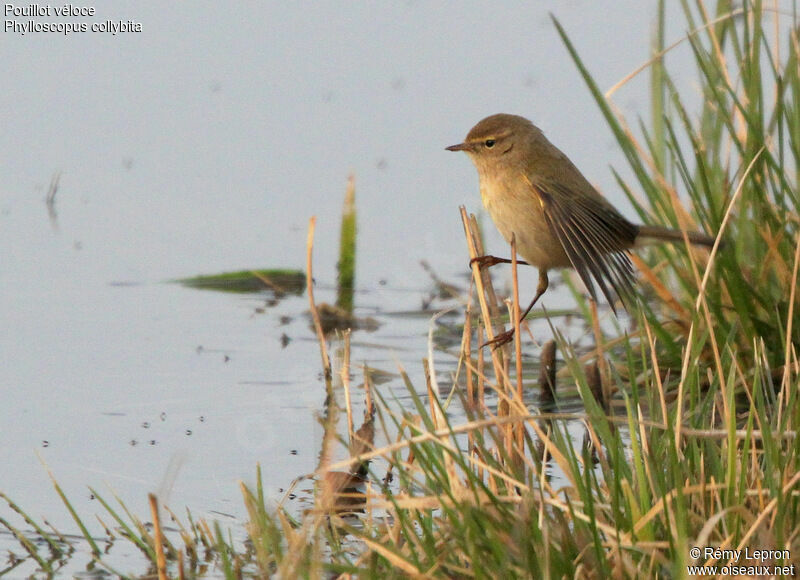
(547, 372)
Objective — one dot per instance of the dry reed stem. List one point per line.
(515, 312)
(158, 538)
(326, 487)
(480, 368)
(486, 278)
(432, 407)
(489, 311)
(369, 406)
(325, 496)
(345, 376)
(504, 406)
(326, 362)
(181, 571)
(466, 353)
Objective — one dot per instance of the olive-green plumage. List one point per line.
(559, 220)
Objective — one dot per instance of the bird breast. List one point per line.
(516, 209)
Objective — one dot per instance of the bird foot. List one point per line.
(486, 261)
(500, 339)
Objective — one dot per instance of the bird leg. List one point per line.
(506, 336)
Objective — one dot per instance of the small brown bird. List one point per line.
(533, 190)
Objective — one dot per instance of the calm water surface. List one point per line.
(203, 144)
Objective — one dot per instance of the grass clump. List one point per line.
(696, 445)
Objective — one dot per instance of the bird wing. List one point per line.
(595, 238)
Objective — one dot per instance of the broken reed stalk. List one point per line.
(158, 538)
(513, 432)
(494, 308)
(483, 284)
(326, 361)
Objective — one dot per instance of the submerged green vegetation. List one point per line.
(346, 267)
(245, 281)
(691, 419)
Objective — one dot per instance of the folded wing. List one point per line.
(595, 238)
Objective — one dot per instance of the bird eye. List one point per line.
(489, 143)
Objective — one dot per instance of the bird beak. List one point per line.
(467, 147)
